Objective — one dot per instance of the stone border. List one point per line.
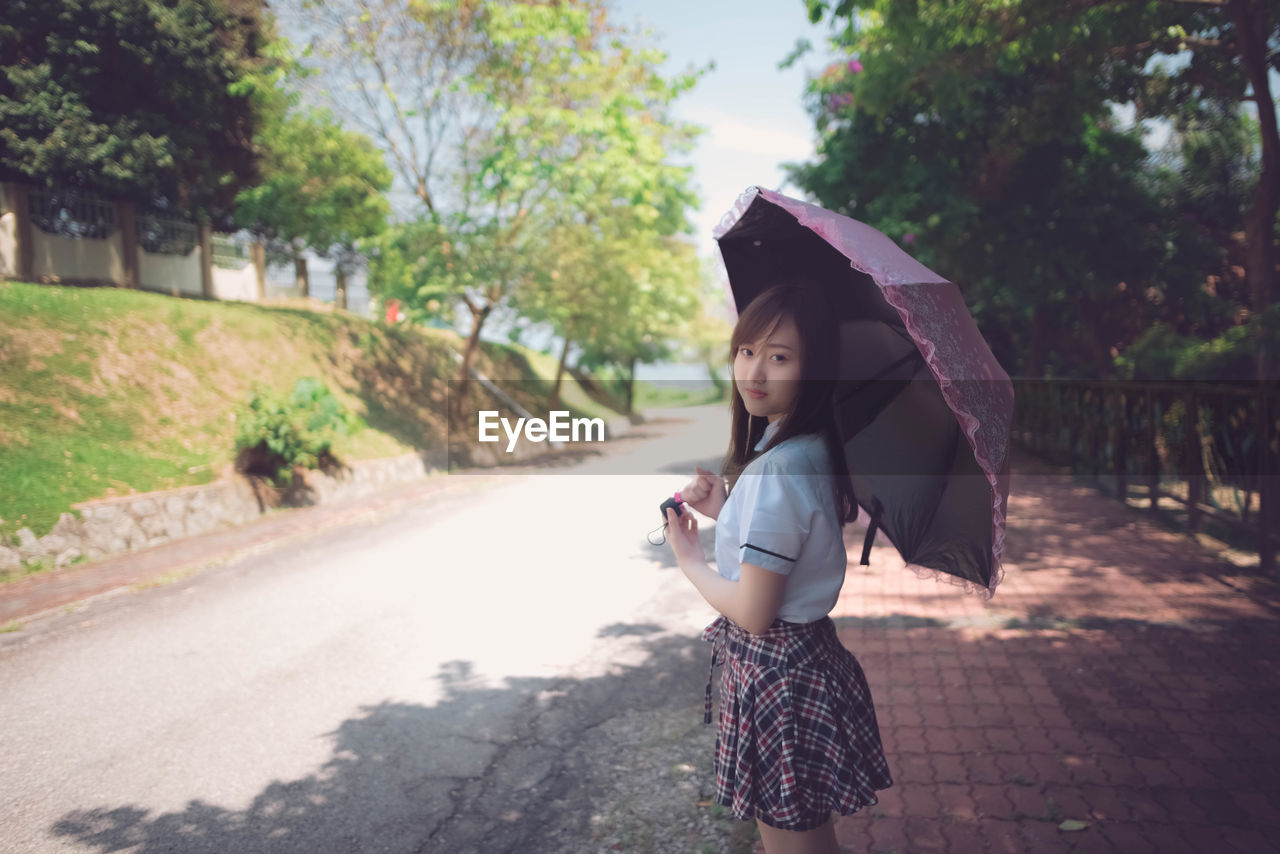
(126, 523)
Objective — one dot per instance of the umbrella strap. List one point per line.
(876, 510)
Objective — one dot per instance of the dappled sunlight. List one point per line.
(1070, 553)
(1121, 677)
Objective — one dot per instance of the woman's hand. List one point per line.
(682, 533)
(705, 493)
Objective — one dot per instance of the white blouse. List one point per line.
(781, 515)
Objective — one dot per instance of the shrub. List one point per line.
(275, 434)
(1160, 353)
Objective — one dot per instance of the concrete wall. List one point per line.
(57, 258)
(239, 284)
(78, 259)
(176, 274)
(8, 235)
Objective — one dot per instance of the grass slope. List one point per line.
(105, 391)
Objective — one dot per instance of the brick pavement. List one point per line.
(1122, 676)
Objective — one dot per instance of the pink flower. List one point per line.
(839, 101)
(909, 237)
(854, 66)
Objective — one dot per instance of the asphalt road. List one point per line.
(424, 681)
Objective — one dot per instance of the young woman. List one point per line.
(797, 737)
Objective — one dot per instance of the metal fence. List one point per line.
(231, 252)
(165, 235)
(70, 212)
(1192, 450)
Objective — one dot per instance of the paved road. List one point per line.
(427, 681)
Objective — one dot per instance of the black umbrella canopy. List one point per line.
(917, 470)
(767, 245)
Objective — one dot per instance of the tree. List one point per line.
(1069, 55)
(141, 99)
(500, 118)
(984, 134)
(613, 276)
(411, 263)
(399, 71)
(1230, 44)
(321, 187)
(618, 297)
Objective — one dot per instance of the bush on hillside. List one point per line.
(276, 434)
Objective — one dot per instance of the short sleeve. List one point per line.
(777, 512)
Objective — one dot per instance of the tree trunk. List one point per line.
(1039, 341)
(126, 214)
(340, 288)
(717, 381)
(1250, 20)
(206, 260)
(464, 368)
(23, 231)
(555, 388)
(1095, 337)
(259, 254)
(631, 386)
(300, 279)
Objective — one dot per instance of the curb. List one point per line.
(47, 594)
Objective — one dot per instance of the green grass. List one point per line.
(107, 391)
(69, 431)
(650, 396)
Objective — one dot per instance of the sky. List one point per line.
(753, 112)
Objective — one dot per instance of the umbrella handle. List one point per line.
(876, 510)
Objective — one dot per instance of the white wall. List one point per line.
(239, 284)
(87, 259)
(170, 273)
(8, 244)
(8, 235)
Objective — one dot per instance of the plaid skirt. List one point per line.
(797, 737)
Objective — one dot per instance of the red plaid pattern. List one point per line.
(797, 737)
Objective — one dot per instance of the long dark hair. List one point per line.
(812, 411)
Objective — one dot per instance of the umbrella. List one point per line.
(924, 408)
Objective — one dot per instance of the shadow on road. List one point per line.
(522, 767)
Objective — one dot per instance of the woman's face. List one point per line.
(767, 372)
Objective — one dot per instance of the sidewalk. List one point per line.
(1122, 678)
